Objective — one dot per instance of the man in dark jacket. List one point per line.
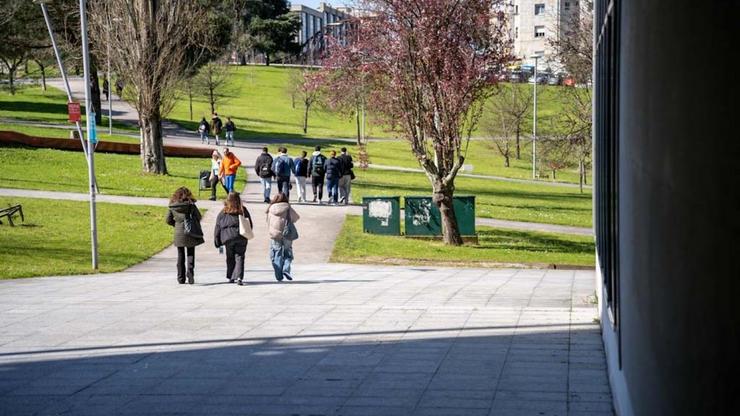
(345, 181)
(301, 173)
(230, 128)
(263, 169)
(317, 170)
(333, 173)
(283, 167)
(216, 126)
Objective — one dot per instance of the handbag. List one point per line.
(191, 225)
(289, 232)
(245, 228)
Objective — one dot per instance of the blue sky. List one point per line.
(315, 3)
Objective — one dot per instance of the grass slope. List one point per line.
(58, 170)
(55, 238)
(496, 246)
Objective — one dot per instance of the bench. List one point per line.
(10, 211)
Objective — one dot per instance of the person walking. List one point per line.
(226, 233)
(263, 169)
(301, 173)
(214, 178)
(203, 129)
(106, 89)
(230, 128)
(119, 87)
(345, 181)
(317, 170)
(280, 215)
(185, 217)
(333, 173)
(283, 166)
(216, 127)
(227, 171)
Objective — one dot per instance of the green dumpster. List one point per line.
(423, 219)
(381, 215)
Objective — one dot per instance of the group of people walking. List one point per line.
(335, 171)
(234, 228)
(215, 128)
(223, 171)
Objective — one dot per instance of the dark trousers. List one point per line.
(332, 188)
(317, 184)
(235, 251)
(181, 270)
(214, 184)
(284, 185)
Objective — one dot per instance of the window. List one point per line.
(539, 9)
(539, 31)
(566, 5)
(516, 9)
(516, 33)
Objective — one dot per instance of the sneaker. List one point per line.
(213, 198)
(287, 276)
(240, 282)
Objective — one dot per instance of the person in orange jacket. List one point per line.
(229, 166)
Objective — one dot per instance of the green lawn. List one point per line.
(59, 170)
(55, 238)
(496, 247)
(494, 199)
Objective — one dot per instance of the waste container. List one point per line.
(381, 215)
(423, 219)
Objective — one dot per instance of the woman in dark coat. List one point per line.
(182, 205)
(227, 234)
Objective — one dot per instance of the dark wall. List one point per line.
(679, 217)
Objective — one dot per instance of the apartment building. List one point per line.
(315, 21)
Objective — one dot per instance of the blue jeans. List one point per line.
(229, 182)
(284, 185)
(204, 137)
(281, 256)
(266, 187)
(229, 137)
(332, 188)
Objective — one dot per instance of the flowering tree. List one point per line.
(429, 66)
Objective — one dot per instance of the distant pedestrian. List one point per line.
(203, 128)
(227, 234)
(263, 169)
(230, 128)
(119, 87)
(185, 217)
(300, 171)
(279, 217)
(106, 89)
(214, 179)
(216, 127)
(283, 166)
(345, 181)
(228, 169)
(333, 174)
(317, 170)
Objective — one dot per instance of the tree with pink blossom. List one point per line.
(428, 66)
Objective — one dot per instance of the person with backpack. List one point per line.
(316, 168)
(301, 173)
(227, 171)
(216, 126)
(263, 169)
(333, 174)
(226, 233)
(185, 217)
(283, 166)
(230, 128)
(203, 129)
(281, 219)
(345, 181)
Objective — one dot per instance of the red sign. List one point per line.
(74, 112)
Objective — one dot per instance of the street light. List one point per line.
(534, 120)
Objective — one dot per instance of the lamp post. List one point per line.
(534, 121)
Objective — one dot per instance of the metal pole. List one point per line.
(534, 123)
(110, 91)
(90, 146)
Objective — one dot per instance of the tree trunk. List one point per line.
(506, 160)
(359, 133)
(580, 175)
(305, 119)
(190, 100)
(43, 76)
(518, 148)
(211, 100)
(11, 80)
(553, 175)
(95, 94)
(242, 59)
(152, 144)
(442, 197)
(267, 59)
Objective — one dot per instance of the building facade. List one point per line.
(666, 227)
(533, 24)
(315, 21)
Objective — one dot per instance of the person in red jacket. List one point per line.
(229, 166)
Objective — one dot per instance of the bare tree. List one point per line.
(304, 87)
(211, 83)
(499, 127)
(150, 41)
(515, 104)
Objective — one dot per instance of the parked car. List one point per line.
(555, 79)
(543, 77)
(516, 76)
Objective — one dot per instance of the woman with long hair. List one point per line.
(182, 210)
(227, 234)
(279, 214)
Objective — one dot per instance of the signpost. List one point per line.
(74, 111)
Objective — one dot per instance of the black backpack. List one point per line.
(317, 165)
